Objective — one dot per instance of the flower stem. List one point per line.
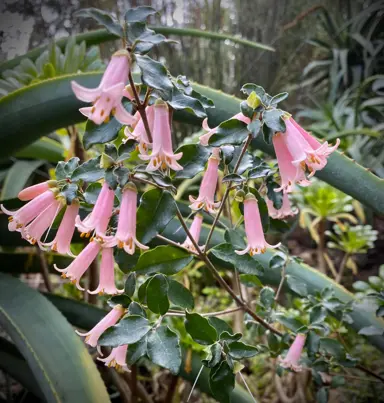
(342, 267)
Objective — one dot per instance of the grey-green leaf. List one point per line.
(137, 350)
(239, 350)
(100, 134)
(193, 160)
(232, 131)
(222, 382)
(89, 171)
(200, 329)
(139, 14)
(157, 294)
(179, 295)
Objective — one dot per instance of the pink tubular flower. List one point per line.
(31, 192)
(108, 95)
(162, 153)
(107, 274)
(20, 218)
(117, 358)
(291, 361)
(36, 229)
(195, 230)
(289, 174)
(139, 133)
(98, 219)
(204, 139)
(125, 236)
(62, 241)
(109, 320)
(284, 211)
(81, 263)
(253, 228)
(208, 185)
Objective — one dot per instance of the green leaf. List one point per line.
(267, 133)
(322, 395)
(260, 171)
(179, 295)
(157, 294)
(245, 264)
(129, 330)
(239, 350)
(89, 171)
(249, 88)
(139, 14)
(193, 160)
(65, 170)
(220, 325)
(332, 347)
(278, 98)
(312, 343)
(163, 259)
(290, 323)
(43, 149)
(275, 197)
(110, 178)
(130, 285)
(246, 162)
(229, 337)
(155, 75)
(277, 262)
(296, 285)
(273, 118)
(200, 329)
(126, 262)
(163, 348)
(17, 178)
(37, 328)
(250, 280)
(214, 356)
(69, 191)
(222, 382)
(371, 331)
(254, 127)
(100, 134)
(246, 109)
(157, 208)
(235, 178)
(231, 131)
(180, 101)
(125, 150)
(137, 350)
(122, 175)
(267, 297)
(337, 381)
(233, 237)
(318, 314)
(103, 18)
(92, 193)
(136, 309)
(122, 300)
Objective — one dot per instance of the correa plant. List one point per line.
(106, 200)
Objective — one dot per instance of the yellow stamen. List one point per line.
(102, 112)
(93, 109)
(106, 120)
(10, 219)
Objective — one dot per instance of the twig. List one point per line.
(93, 281)
(45, 270)
(141, 392)
(342, 268)
(369, 372)
(134, 383)
(280, 287)
(173, 243)
(171, 389)
(173, 312)
(122, 387)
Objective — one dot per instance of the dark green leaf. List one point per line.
(220, 325)
(235, 178)
(110, 178)
(155, 75)
(157, 294)
(267, 133)
(200, 329)
(163, 348)
(275, 197)
(179, 295)
(142, 291)
(277, 262)
(332, 347)
(163, 259)
(228, 153)
(111, 151)
(136, 309)
(92, 193)
(371, 331)
(122, 300)
(129, 330)
(312, 343)
(322, 395)
(229, 337)
(296, 285)
(180, 101)
(126, 149)
(239, 350)
(164, 181)
(233, 237)
(70, 192)
(139, 14)
(157, 208)
(103, 18)
(231, 131)
(290, 323)
(100, 134)
(337, 381)
(273, 118)
(278, 98)
(246, 110)
(244, 263)
(222, 382)
(267, 297)
(126, 262)
(130, 285)
(193, 160)
(273, 343)
(89, 171)
(318, 314)
(249, 88)
(250, 280)
(122, 175)
(65, 170)
(137, 350)
(246, 162)
(260, 171)
(214, 356)
(254, 127)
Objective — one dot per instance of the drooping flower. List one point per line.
(20, 218)
(125, 236)
(107, 274)
(109, 320)
(106, 98)
(36, 229)
(81, 263)
(31, 192)
(204, 139)
(253, 228)
(284, 211)
(117, 358)
(289, 174)
(195, 230)
(99, 218)
(162, 153)
(62, 241)
(291, 360)
(139, 133)
(206, 198)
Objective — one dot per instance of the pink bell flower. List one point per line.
(162, 153)
(20, 218)
(284, 211)
(291, 361)
(36, 229)
(81, 263)
(106, 98)
(139, 133)
(208, 185)
(253, 228)
(195, 230)
(204, 139)
(117, 358)
(99, 218)
(92, 337)
(31, 192)
(125, 236)
(107, 274)
(289, 174)
(62, 241)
